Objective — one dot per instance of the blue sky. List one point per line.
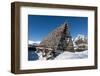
(40, 25)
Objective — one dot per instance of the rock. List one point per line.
(59, 39)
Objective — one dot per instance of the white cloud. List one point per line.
(31, 42)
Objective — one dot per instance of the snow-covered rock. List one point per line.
(41, 57)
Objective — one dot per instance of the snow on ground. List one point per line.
(67, 55)
(72, 55)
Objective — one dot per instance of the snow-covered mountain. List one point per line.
(30, 42)
(80, 42)
(80, 36)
